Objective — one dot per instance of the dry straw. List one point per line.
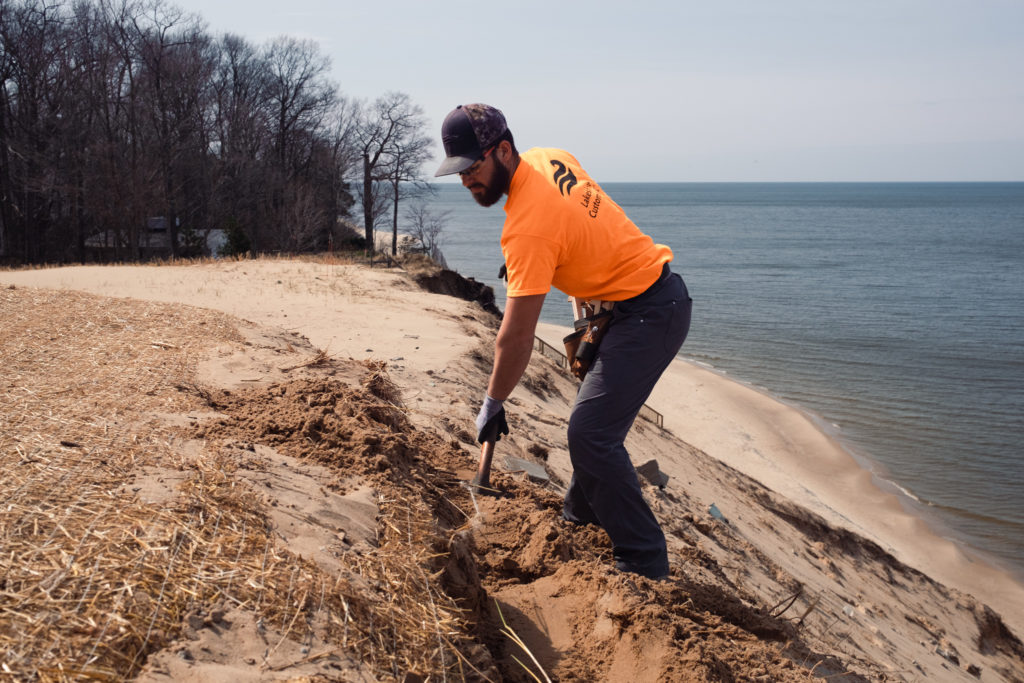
(93, 579)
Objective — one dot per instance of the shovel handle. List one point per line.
(483, 470)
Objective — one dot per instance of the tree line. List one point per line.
(116, 113)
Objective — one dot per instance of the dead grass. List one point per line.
(334, 258)
(93, 580)
(380, 385)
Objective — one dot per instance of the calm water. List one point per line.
(894, 312)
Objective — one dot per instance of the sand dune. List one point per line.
(252, 471)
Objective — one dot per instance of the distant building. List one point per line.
(154, 242)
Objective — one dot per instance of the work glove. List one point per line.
(490, 422)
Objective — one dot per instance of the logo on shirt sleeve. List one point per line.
(563, 177)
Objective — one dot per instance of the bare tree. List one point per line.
(390, 140)
(305, 217)
(6, 76)
(175, 67)
(341, 156)
(301, 98)
(122, 195)
(409, 150)
(425, 227)
(242, 139)
(373, 135)
(300, 93)
(33, 37)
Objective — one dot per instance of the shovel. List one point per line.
(482, 480)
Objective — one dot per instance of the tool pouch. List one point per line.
(581, 345)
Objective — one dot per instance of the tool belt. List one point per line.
(581, 345)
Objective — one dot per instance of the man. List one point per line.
(561, 229)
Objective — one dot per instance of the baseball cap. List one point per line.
(467, 131)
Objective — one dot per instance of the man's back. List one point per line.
(561, 229)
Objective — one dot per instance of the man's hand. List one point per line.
(490, 422)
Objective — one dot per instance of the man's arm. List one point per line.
(514, 344)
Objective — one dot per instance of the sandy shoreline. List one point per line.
(361, 313)
(782, 448)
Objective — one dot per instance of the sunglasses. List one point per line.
(476, 164)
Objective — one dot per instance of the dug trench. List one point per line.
(528, 591)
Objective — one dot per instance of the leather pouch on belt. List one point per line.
(581, 345)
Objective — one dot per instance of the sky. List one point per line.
(687, 91)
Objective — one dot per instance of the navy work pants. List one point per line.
(644, 336)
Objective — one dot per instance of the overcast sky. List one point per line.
(731, 90)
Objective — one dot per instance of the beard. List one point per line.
(496, 186)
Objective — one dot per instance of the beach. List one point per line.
(763, 509)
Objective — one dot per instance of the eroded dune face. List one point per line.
(180, 482)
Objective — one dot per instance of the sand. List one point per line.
(785, 449)
(807, 567)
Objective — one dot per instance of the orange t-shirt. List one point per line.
(561, 229)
